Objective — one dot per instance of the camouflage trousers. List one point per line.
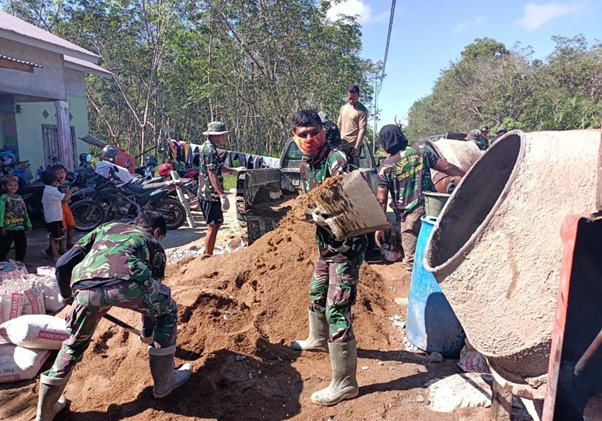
(410, 228)
(152, 299)
(333, 292)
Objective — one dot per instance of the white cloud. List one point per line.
(536, 15)
(462, 26)
(357, 8)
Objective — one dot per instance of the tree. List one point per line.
(504, 88)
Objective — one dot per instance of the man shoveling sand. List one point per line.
(115, 265)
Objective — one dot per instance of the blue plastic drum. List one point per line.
(431, 323)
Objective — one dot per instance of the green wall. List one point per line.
(29, 128)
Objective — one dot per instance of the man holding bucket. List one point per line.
(406, 173)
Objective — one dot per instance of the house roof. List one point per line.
(86, 66)
(11, 27)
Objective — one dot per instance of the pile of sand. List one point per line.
(237, 314)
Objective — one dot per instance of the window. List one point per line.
(50, 138)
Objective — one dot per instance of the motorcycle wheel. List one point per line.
(109, 210)
(87, 214)
(173, 211)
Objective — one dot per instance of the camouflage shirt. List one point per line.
(330, 162)
(209, 161)
(120, 251)
(480, 140)
(407, 175)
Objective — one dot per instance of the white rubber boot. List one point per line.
(318, 334)
(343, 358)
(51, 400)
(162, 366)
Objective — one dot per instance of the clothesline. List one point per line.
(189, 154)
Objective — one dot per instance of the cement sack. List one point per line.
(11, 270)
(17, 363)
(465, 390)
(471, 360)
(47, 271)
(352, 206)
(35, 331)
(11, 304)
(49, 289)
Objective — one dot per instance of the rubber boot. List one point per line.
(162, 366)
(343, 358)
(51, 400)
(318, 334)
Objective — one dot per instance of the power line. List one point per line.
(382, 76)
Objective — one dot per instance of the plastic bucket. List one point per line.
(431, 323)
(433, 203)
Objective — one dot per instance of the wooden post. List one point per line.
(64, 133)
(176, 177)
(501, 403)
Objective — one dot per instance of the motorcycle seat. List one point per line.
(143, 188)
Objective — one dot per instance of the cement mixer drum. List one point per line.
(496, 247)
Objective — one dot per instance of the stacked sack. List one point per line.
(27, 334)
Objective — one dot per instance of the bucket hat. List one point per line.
(215, 128)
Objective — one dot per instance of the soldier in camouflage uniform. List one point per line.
(212, 199)
(479, 137)
(406, 173)
(334, 283)
(115, 265)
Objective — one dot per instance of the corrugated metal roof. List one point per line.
(18, 26)
(20, 61)
(89, 67)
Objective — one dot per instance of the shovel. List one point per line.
(121, 324)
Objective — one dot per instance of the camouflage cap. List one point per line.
(215, 128)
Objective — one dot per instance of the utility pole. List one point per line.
(375, 126)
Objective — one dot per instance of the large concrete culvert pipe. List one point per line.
(496, 247)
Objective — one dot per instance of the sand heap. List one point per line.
(237, 314)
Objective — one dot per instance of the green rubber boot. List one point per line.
(318, 334)
(51, 400)
(343, 358)
(162, 366)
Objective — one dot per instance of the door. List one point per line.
(50, 138)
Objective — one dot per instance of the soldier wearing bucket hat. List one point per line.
(212, 198)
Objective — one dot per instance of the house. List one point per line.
(43, 105)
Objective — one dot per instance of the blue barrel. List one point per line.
(431, 323)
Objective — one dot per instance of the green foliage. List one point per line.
(507, 89)
(179, 64)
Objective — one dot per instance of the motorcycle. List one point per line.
(129, 199)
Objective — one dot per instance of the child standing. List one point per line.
(52, 202)
(68, 220)
(14, 220)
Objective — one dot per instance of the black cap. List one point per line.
(354, 89)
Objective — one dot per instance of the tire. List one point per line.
(87, 214)
(109, 210)
(173, 211)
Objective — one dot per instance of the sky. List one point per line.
(429, 34)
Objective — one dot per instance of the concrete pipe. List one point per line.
(496, 247)
(461, 153)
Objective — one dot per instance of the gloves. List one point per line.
(239, 169)
(319, 216)
(225, 202)
(64, 300)
(148, 340)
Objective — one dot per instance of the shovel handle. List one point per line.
(121, 324)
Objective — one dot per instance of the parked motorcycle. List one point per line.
(189, 186)
(129, 199)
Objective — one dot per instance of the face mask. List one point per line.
(311, 146)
